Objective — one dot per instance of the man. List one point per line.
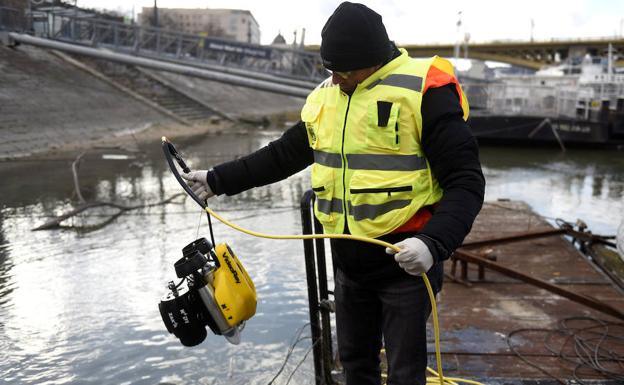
(392, 158)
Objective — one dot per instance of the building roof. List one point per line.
(279, 39)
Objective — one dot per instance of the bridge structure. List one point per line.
(527, 54)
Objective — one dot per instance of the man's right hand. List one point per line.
(198, 182)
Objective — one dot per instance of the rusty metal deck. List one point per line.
(477, 316)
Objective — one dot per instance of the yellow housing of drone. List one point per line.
(234, 290)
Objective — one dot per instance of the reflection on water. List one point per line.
(81, 307)
(587, 185)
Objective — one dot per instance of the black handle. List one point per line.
(170, 153)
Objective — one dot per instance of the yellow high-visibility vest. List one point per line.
(369, 167)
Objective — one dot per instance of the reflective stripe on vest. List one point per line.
(372, 161)
(328, 159)
(329, 206)
(386, 162)
(368, 211)
(410, 82)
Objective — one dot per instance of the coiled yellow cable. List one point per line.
(439, 377)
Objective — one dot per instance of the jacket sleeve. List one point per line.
(453, 155)
(276, 161)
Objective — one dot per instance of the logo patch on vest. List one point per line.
(311, 134)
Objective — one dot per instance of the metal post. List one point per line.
(94, 37)
(137, 38)
(155, 14)
(458, 39)
(464, 270)
(324, 301)
(46, 27)
(313, 301)
(29, 19)
(72, 28)
(481, 272)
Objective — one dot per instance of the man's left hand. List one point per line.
(198, 182)
(414, 257)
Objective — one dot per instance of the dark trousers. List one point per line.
(393, 308)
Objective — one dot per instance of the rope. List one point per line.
(508, 128)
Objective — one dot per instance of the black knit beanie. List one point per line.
(354, 37)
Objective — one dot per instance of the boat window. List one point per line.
(548, 102)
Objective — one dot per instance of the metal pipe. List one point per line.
(515, 238)
(235, 71)
(162, 66)
(595, 304)
(588, 237)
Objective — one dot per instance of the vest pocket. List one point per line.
(327, 207)
(373, 194)
(382, 128)
(376, 190)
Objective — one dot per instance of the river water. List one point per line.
(80, 307)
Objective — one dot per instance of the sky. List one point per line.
(417, 22)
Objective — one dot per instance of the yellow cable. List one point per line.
(439, 379)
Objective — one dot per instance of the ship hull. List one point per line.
(536, 130)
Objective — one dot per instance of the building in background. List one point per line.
(231, 24)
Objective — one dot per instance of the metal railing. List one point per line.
(252, 80)
(550, 101)
(164, 44)
(12, 20)
(319, 303)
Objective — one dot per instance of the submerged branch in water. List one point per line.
(55, 223)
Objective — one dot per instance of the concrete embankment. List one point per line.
(50, 104)
(45, 104)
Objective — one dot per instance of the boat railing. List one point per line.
(579, 101)
(518, 99)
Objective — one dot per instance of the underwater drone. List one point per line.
(219, 293)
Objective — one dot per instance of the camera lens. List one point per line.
(182, 318)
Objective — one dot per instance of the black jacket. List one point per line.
(448, 144)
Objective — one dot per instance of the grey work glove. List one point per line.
(198, 182)
(414, 257)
